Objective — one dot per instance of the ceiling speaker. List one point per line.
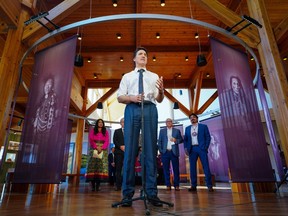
(201, 60)
(176, 105)
(78, 62)
(100, 105)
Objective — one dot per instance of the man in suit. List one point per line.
(196, 143)
(111, 166)
(169, 139)
(118, 140)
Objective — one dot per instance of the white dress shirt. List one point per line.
(194, 134)
(129, 84)
(169, 136)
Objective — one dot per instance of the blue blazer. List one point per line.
(203, 137)
(163, 140)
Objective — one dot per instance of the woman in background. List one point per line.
(97, 167)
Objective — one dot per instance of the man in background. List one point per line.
(118, 140)
(168, 144)
(196, 143)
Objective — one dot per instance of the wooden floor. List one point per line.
(69, 200)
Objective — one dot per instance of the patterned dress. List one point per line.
(97, 169)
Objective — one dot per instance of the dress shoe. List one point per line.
(168, 188)
(155, 201)
(210, 189)
(192, 189)
(177, 188)
(127, 202)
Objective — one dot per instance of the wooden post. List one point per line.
(9, 72)
(78, 152)
(273, 69)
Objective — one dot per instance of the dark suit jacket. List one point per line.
(111, 160)
(203, 137)
(163, 141)
(118, 140)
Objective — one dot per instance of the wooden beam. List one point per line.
(198, 70)
(76, 96)
(152, 48)
(56, 14)
(3, 27)
(9, 72)
(273, 69)
(250, 34)
(76, 107)
(10, 12)
(281, 29)
(198, 91)
(93, 107)
(207, 103)
(78, 147)
(22, 100)
(173, 99)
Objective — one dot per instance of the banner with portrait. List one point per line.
(40, 159)
(243, 130)
(217, 154)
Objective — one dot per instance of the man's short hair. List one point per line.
(193, 114)
(140, 48)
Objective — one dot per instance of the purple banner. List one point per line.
(40, 159)
(217, 154)
(243, 131)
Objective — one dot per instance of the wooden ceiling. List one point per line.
(176, 42)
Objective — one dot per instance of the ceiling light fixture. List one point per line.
(157, 35)
(119, 36)
(177, 75)
(114, 3)
(162, 3)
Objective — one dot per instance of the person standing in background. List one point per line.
(196, 143)
(118, 140)
(97, 166)
(168, 144)
(111, 166)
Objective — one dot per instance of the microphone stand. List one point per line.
(143, 195)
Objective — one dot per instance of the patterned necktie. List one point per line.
(140, 84)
